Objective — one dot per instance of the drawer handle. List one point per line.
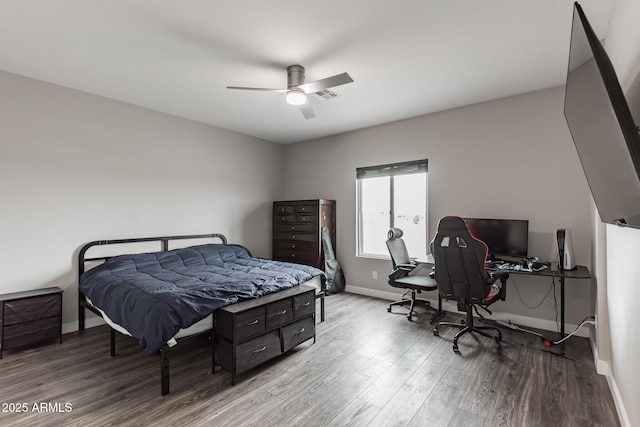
(300, 331)
(283, 312)
(260, 350)
(307, 303)
(294, 236)
(255, 322)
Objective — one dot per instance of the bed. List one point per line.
(160, 296)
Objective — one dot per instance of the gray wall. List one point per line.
(511, 158)
(75, 167)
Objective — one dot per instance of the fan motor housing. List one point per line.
(295, 75)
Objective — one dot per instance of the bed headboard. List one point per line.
(82, 260)
(163, 240)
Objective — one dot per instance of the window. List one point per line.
(393, 195)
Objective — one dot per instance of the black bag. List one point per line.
(335, 276)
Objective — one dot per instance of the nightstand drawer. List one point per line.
(28, 309)
(258, 350)
(20, 335)
(298, 332)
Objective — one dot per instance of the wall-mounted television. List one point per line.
(504, 237)
(602, 127)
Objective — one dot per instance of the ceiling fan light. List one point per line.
(296, 97)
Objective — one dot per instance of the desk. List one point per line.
(580, 272)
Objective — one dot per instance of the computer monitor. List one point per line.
(504, 237)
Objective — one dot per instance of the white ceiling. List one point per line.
(407, 58)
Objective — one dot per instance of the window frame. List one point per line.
(390, 170)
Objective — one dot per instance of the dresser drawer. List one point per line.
(295, 246)
(298, 237)
(258, 350)
(279, 313)
(295, 257)
(310, 209)
(28, 309)
(284, 209)
(298, 332)
(19, 335)
(295, 227)
(250, 323)
(304, 304)
(285, 218)
(306, 219)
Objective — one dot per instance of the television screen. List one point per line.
(504, 237)
(602, 127)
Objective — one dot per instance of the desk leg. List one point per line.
(562, 334)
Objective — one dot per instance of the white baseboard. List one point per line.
(89, 322)
(531, 322)
(617, 400)
(604, 368)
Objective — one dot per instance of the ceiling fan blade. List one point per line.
(333, 81)
(307, 111)
(263, 89)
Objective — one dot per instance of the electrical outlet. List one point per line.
(374, 275)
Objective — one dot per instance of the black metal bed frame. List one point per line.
(83, 304)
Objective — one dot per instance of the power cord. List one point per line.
(546, 342)
(522, 300)
(584, 322)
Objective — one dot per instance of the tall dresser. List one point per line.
(296, 230)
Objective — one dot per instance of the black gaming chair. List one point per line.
(461, 275)
(400, 278)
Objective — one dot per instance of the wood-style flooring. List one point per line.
(367, 368)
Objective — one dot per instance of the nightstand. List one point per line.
(30, 317)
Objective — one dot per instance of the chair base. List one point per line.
(414, 301)
(468, 327)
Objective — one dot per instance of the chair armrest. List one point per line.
(502, 276)
(498, 275)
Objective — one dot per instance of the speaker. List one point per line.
(565, 249)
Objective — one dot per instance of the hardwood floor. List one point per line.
(367, 368)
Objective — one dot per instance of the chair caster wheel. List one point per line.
(456, 349)
(389, 309)
(435, 332)
(410, 318)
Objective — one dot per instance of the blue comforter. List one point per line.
(153, 295)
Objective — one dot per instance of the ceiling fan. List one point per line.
(297, 90)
